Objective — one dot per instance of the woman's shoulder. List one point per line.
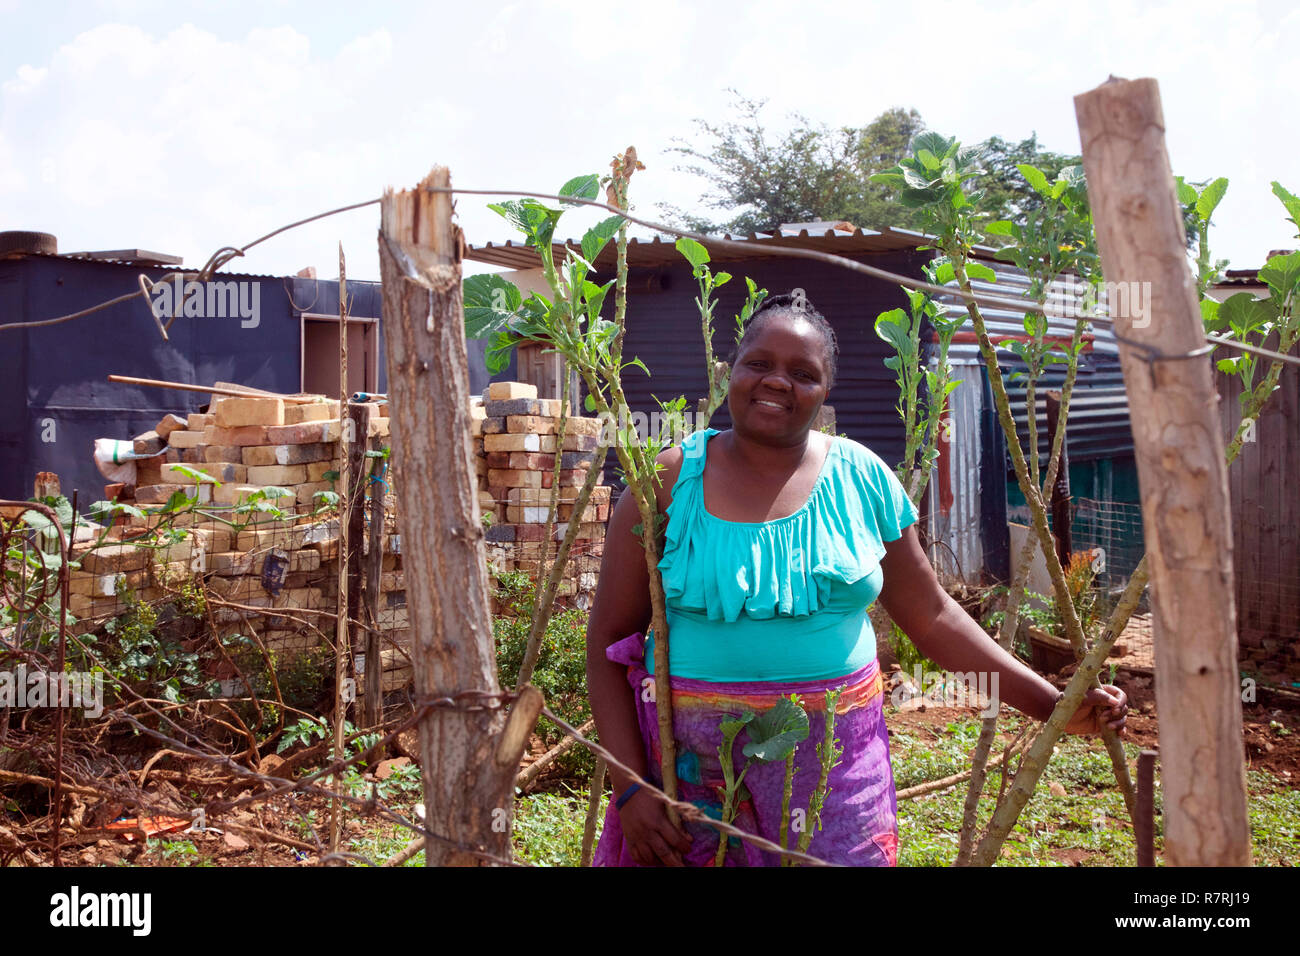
(861, 459)
(687, 456)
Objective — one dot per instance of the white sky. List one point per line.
(184, 126)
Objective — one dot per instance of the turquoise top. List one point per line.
(781, 600)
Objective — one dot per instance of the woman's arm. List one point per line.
(946, 634)
(622, 607)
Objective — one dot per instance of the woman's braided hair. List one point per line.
(792, 305)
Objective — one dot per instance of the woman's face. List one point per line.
(779, 381)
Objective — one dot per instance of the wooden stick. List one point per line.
(342, 644)
(374, 684)
(209, 389)
(534, 769)
(1144, 826)
(593, 812)
(1178, 444)
(468, 792)
(943, 783)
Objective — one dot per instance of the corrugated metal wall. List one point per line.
(1099, 422)
(1098, 425)
(53, 386)
(1265, 503)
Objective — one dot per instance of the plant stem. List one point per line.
(1038, 510)
(829, 753)
(786, 788)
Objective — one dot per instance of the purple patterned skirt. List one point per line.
(858, 821)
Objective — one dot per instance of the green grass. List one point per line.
(548, 827)
(1091, 817)
(1052, 829)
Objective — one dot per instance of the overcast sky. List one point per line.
(181, 127)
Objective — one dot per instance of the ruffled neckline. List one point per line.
(786, 566)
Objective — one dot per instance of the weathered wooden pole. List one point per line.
(470, 753)
(356, 417)
(342, 641)
(1180, 457)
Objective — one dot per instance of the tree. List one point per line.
(810, 173)
(1006, 195)
(814, 172)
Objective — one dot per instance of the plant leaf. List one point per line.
(491, 302)
(695, 253)
(774, 734)
(1210, 197)
(581, 187)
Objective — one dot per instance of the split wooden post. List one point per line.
(470, 754)
(1178, 443)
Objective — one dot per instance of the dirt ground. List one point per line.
(256, 835)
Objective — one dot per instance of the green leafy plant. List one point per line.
(773, 736)
(561, 672)
(719, 373)
(922, 421)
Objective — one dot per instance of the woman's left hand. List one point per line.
(1105, 706)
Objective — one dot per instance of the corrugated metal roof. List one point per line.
(660, 251)
(137, 266)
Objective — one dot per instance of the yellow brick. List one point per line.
(113, 558)
(551, 407)
(477, 412)
(315, 412)
(529, 496)
(506, 442)
(227, 563)
(546, 444)
(197, 421)
(233, 494)
(583, 426)
(185, 439)
(280, 475)
(511, 478)
(316, 469)
(530, 424)
(231, 412)
(497, 391)
(306, 493)
(304, 560)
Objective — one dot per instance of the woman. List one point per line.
(778, 538)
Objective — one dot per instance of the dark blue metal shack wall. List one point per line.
(53, 386)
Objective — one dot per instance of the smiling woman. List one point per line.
(777, 540)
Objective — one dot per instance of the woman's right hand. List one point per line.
(651, 837)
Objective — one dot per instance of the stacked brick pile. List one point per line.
(290, 563)
(515, 440)
(246, 444)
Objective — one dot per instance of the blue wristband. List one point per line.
(627, 795)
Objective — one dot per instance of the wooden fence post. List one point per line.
(1180, 455)
(470, 755)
